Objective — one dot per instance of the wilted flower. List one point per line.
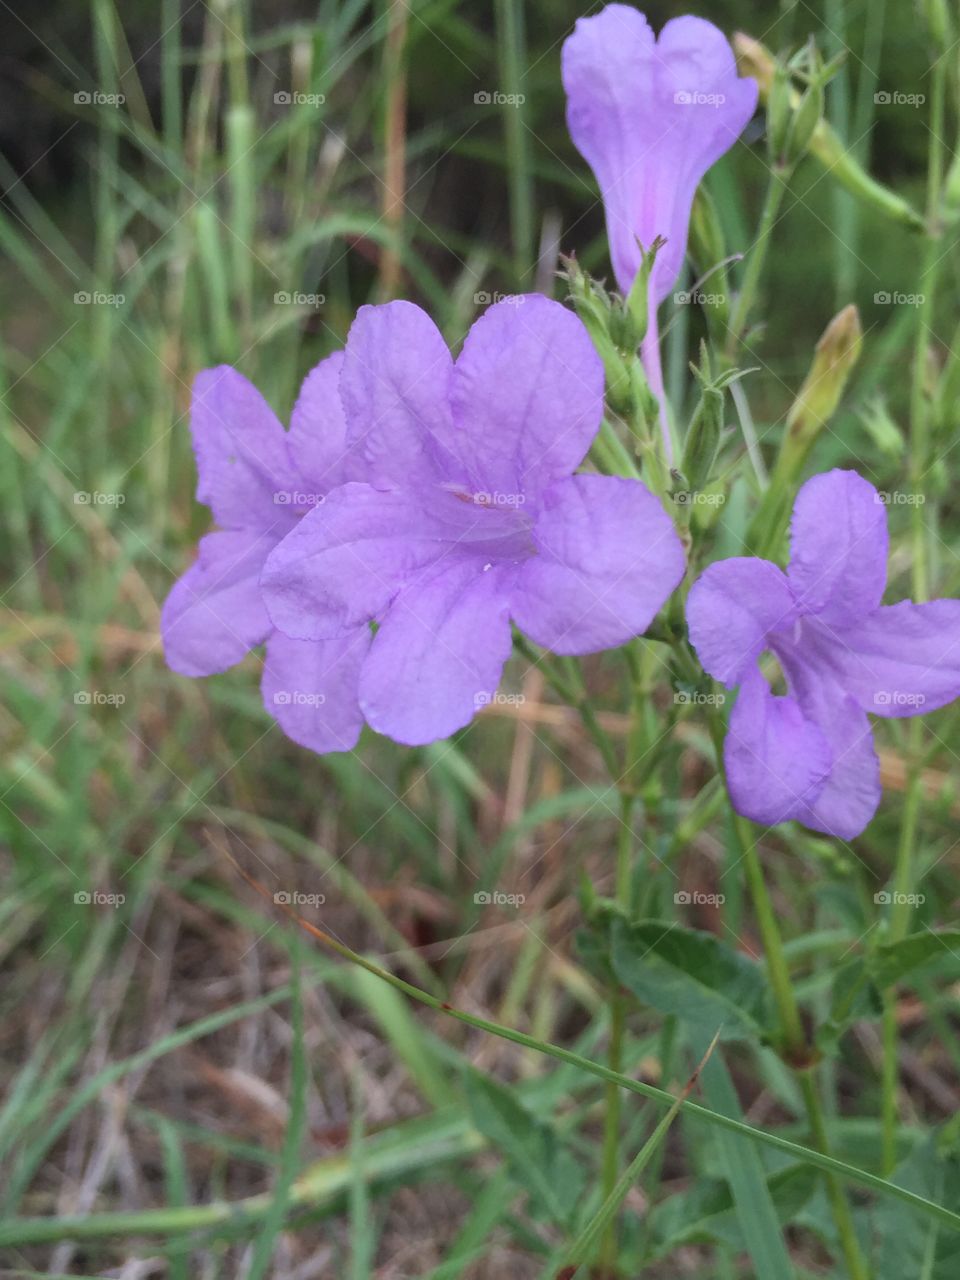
(470, 515)
(650, 116)
(259, 480)
(808, 755)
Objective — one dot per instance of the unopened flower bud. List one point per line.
(836, 354)
(595, 308)
(637, 308)
(779, 112)
(703, 435)
(806, 119)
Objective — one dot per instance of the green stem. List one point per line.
(756, 257)
(618, 1011)
(904, 872)
(793, 1041)
(793, 1047)
(839, 1205)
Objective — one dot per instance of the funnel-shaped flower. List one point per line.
(650, 116)
(470, 515)
(809, 755)
(259, 480)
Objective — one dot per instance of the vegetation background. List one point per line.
(182, 1066)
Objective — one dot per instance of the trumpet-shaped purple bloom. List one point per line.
(650, 116)
(259, 480)
(470, 515)
(809, 755)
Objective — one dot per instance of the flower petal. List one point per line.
(608, 557)
(731, 610)
(241, 451)
(900, 660)
(852, 792)
(318, 428)
(650, 118)
(838, 547)
(777, 761)
(310, 688)
(345, 561)
(395, 386)
(438, 655)
(527, 396)
(214, 614)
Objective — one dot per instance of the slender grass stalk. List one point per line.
(511, 44)
(756, 258)
(793, 1047)
(610, 1165)
(602, 1224)
(904, 872)
(395, 146)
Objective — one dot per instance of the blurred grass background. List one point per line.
(184, 1047)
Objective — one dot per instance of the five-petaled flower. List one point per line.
(809, 755)
(650, 116)
(469, 515)
(259, 480)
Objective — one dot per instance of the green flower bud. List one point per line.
(779, 113)
(836, 354)
(636, 303)
(600, 318)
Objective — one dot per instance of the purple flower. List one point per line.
(258, 481)
(470, 515)
(650, 117)
(809, 755)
